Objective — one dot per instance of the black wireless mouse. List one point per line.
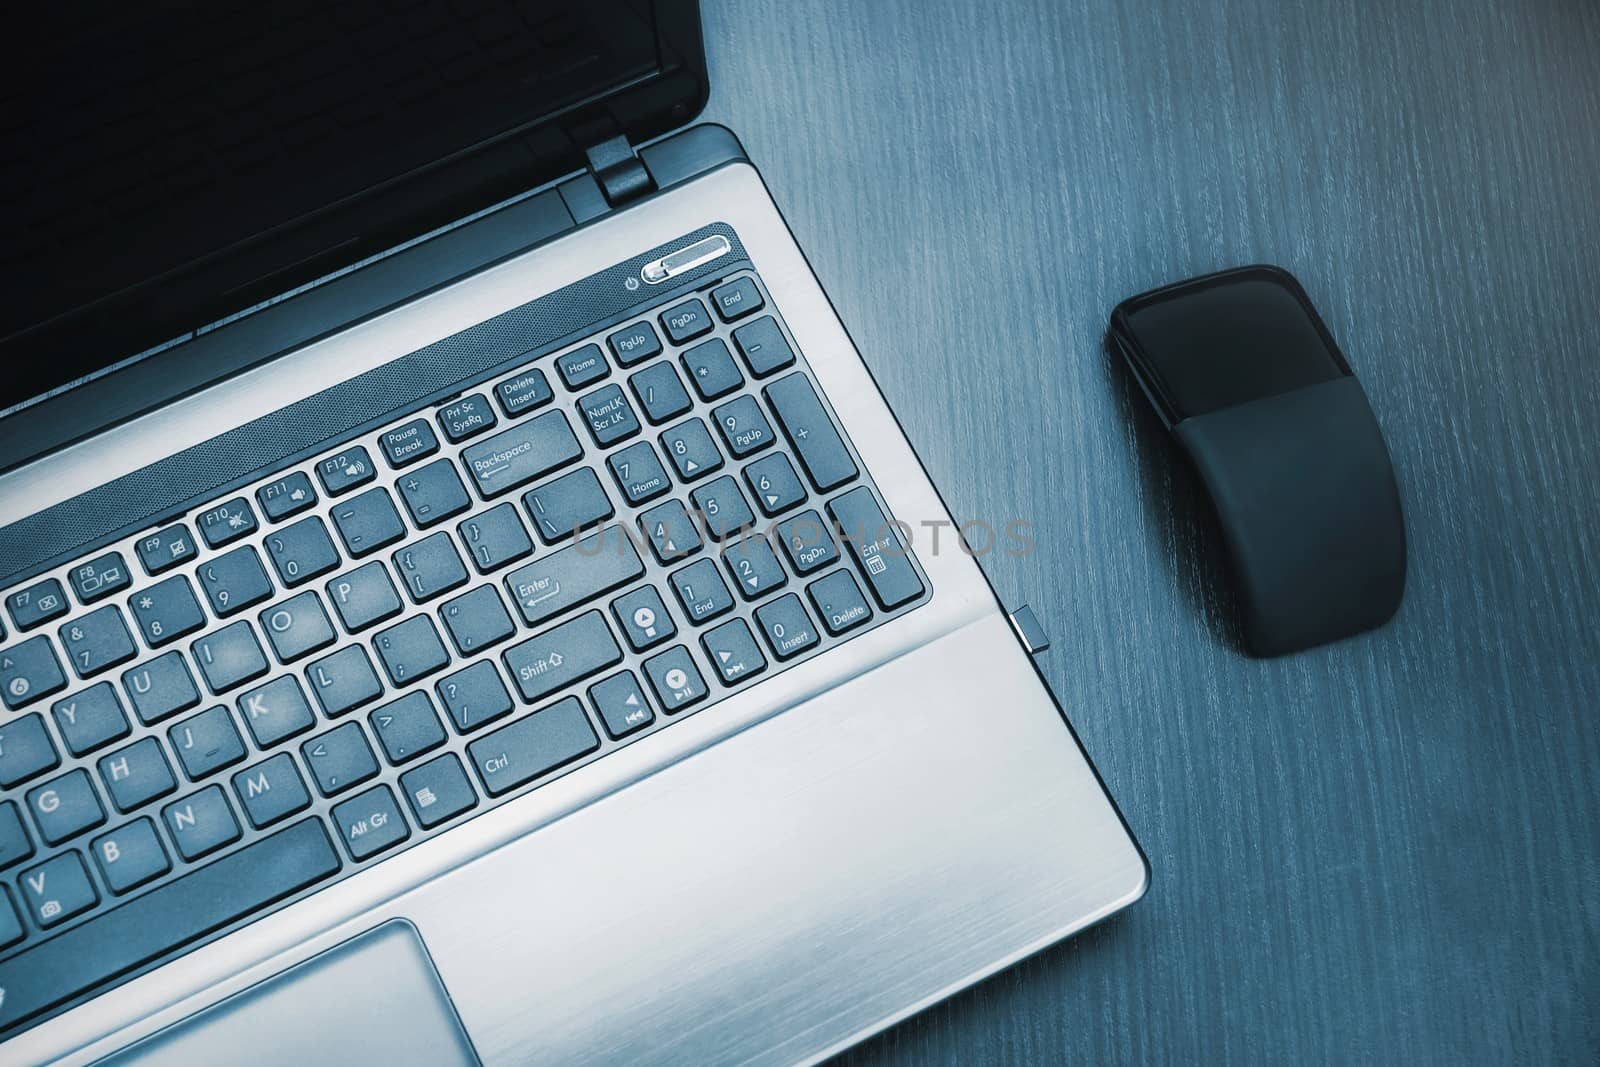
(1242, 370)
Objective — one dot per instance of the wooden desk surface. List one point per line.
(1382, 851)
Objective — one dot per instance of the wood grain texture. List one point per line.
(1381, 851)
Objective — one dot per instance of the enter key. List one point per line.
(877, 547)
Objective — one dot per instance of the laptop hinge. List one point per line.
(619, 171)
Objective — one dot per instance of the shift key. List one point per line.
(594, 565)
(568, 653)
(526, 451)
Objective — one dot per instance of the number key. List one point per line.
(235, 581)
(691, 449)
(97, 641)
(754, 566)
(639, 473)
(167, 611)
(701, 591)
(742, 426)
(29, 671)
(808, 543)
(786, 626)
(722, 508)
(776, 485)
(671, 532)
(302, 551)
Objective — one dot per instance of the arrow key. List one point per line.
(671, 532)
(776, 486)
(622, 705)
(754, 567)
(733, 652)
(692, 451)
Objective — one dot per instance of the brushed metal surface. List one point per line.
(1377, 852)
(374, 999)
(892, 713)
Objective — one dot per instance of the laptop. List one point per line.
(465, 598)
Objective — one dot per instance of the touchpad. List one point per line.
(374, 999)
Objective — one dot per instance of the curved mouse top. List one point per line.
(1243, 371)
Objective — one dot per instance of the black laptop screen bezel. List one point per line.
(105, 334)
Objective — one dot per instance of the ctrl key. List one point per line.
(370, 823)
(533, 745)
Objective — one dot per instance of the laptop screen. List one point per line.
(146, 144)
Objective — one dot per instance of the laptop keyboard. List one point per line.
(301, 679)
